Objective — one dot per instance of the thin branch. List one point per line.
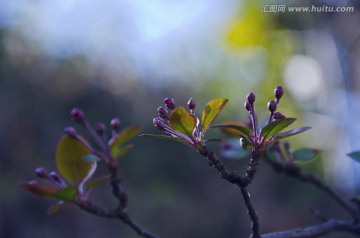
(120, 213)
(124, 217)
(233, 177)
(242, 182)
(318, 230)
(294, 171)
(255, 227)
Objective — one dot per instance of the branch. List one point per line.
(116, 214)
(120, 212)
(255, 227)
(318, 230)
(294, 171)
(233, 177)
(242, 182)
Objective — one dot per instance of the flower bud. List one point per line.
(115, 124)
(100, 128)
(170, 103)
(272, 106)
(41, 172)
(71, 132)
(247, 106)
(55, 177)
(278, 92)
(251, 98)
(278, 115)
(191, 104)
(78, 115)
(159, 123)
(33, 182)
(163, 113)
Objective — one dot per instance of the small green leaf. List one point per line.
(237, 130)
(355, 156)
(38, 189)
(275, 127)
(123, 150)
(91, 158)
(211, 111)
(55, 208)
(286, 134)
(124, 136)
(304, 154)
(161, 137)
(214, 140)
(65, 194)
(245, 144)
(69, 160)
(98, 181)
(182, 121)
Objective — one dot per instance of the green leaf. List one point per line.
(122, 151)
(182, 121)
(163, 137)
(275, 127)
(355, 156)
(245, 144)
(91, 158)
(38, 189)
(211, 111)
(69, 161)
(65, 194)
(238, 130)
(124, 136)
(55, 208)
(214, 140)
(98, 181)
(286, 134)
(304, 154)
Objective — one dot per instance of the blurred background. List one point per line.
(122, 58)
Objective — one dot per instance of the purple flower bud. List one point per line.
(247, 106)
(78, 115)
(159, 123)
(33, 182)
(41, 172)
(163, 113)
(170, 103)
(191, 104)
(115, 124)
(272, 106)
(71, 132)
(278, 92)
(100, 128)
(55, 177)
(278, 115)
(251, 98)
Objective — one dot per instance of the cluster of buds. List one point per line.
(256, 139)
(98, 133)
(164, 120)
(272, 104)
(53, 177)
(76, 159)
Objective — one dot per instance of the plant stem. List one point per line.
(294, 171)
(318, 230)
(255, 227)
